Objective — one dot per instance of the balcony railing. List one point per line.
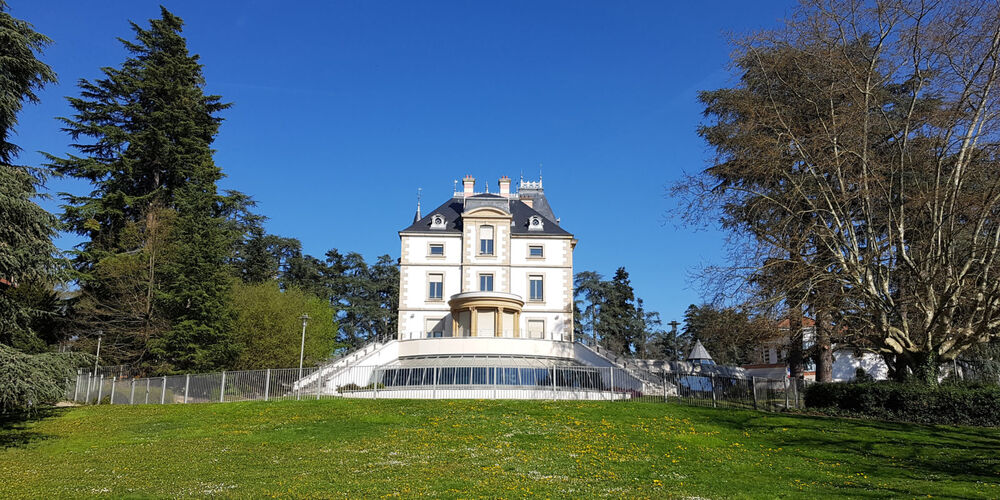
(485, 334)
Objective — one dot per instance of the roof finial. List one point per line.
(455, 189)
(539, 175)
(418, 203)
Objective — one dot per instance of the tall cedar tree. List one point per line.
(26, 230)
(618, 318)
(262, 257)
(152, 127)
(607, 313)
(588, 294)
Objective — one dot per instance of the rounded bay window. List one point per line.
(486, 314)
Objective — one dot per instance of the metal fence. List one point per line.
(119, 371)
(222, 387)
(441, 382)
(721, 391)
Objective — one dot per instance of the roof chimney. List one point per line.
(468, 185)
(505, 186)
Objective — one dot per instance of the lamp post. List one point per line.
(97, 358)
(673, 337)
(302, 349)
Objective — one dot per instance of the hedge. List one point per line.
(946, 404)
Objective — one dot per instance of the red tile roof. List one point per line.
(806, 321)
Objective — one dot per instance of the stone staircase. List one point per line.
(336, 368)
(652, 382)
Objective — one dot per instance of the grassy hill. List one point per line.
(356, 448)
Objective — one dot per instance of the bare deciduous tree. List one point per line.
(859, 152)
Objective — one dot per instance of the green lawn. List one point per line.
(360, 448)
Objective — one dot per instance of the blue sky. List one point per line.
(341, 110)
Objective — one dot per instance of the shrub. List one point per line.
(28, 381)
(946, 404)
(355, 387)
(269, 327)
(348, 387)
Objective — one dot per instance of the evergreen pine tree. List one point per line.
(26, 230)
(152, 127)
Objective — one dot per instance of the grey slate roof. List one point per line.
(698, 352)
(539, 203)
(452, 212)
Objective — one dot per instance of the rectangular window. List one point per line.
(536, 328)
(486, 240)
(434, 327)
(437, 249)
(535, 288)
(485, 282)
(485, 323)
(535, 251)
(464, 323)
(435, 289)
(446, 376)
(507, 324)
(479, 376)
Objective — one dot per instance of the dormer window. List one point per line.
(535, 223)
(438, 222)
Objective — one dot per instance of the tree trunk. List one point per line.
(795, 368)
(897, 367)
(925, 367)
(824, 348)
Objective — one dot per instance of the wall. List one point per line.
(415, 266)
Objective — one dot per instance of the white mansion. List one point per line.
(487, 265)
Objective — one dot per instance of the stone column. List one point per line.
(473, 322)
(498, 323)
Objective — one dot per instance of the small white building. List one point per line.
(771, 358)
